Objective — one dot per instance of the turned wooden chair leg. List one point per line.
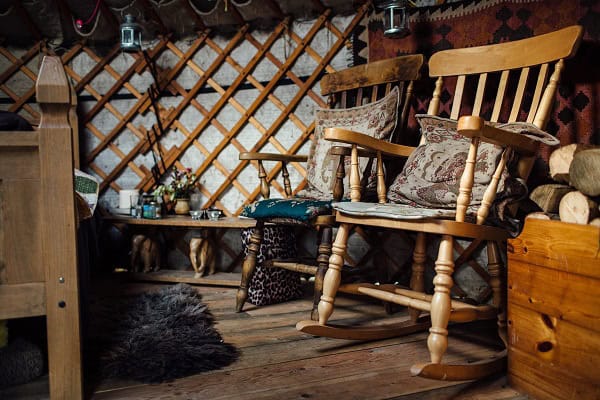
(333, 276)
(322, 264)
(249, 265)
(417, 281)
(498, 284)
(437, 342)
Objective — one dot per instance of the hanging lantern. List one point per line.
(395, 18)
(131, 34)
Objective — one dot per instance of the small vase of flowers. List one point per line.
(182, 184)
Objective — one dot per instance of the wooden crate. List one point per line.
(554, 310)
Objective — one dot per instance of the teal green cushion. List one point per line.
(295, 208)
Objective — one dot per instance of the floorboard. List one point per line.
(278, 362)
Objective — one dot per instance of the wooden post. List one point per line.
(59, 239)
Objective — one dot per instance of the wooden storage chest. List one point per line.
(554, 310)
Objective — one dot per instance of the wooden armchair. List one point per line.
(449, 184)
(372, 99)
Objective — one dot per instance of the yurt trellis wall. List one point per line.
(219, 94)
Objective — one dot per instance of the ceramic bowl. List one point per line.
(213, 214)
(196, 214)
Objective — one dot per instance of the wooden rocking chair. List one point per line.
(350, 93)
(508, 70)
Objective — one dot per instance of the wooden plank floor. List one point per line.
(278, 362)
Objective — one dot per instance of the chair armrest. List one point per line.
(471, 126)
(250, 155)
(366, 141)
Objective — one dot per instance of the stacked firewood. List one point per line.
(575, 195)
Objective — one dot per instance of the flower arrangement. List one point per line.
(181, 186)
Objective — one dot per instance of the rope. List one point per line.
(120, 10)
(91, 32)
(163, 3)
(8, 11)
(94, 14)
(238, 3)
(202, 12)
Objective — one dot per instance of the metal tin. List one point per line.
(149, 210)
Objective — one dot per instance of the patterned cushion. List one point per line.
(295, 208)
(431, 175)
(377, 119)
(391, 210)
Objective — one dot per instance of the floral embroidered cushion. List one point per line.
(431, 175)
(377, 119)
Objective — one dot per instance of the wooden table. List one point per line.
(231, 279)
(185, 221)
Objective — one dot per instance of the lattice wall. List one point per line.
(218, 97)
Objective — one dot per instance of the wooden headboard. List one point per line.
(38, 224)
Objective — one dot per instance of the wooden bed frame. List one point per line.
(38, 224)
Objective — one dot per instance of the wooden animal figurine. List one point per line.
(202, 256)
(145, 254)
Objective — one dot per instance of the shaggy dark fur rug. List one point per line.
(156, 337)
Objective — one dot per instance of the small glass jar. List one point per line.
(157, 210)
(149, 210)
(139, 210)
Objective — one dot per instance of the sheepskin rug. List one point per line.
(156, 337)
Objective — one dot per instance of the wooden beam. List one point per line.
(273, 5)
(191, 11)
(22, 12)
(110, 17)
(65, 18)
(236, 14)
(319, 5)
(147, 6)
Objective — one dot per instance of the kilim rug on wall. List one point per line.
(576, 115)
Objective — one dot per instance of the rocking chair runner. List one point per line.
(525, 58)
(383, 87)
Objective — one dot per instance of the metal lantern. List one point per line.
(131, 34)
(395, 18)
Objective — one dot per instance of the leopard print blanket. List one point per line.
(273, 285)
